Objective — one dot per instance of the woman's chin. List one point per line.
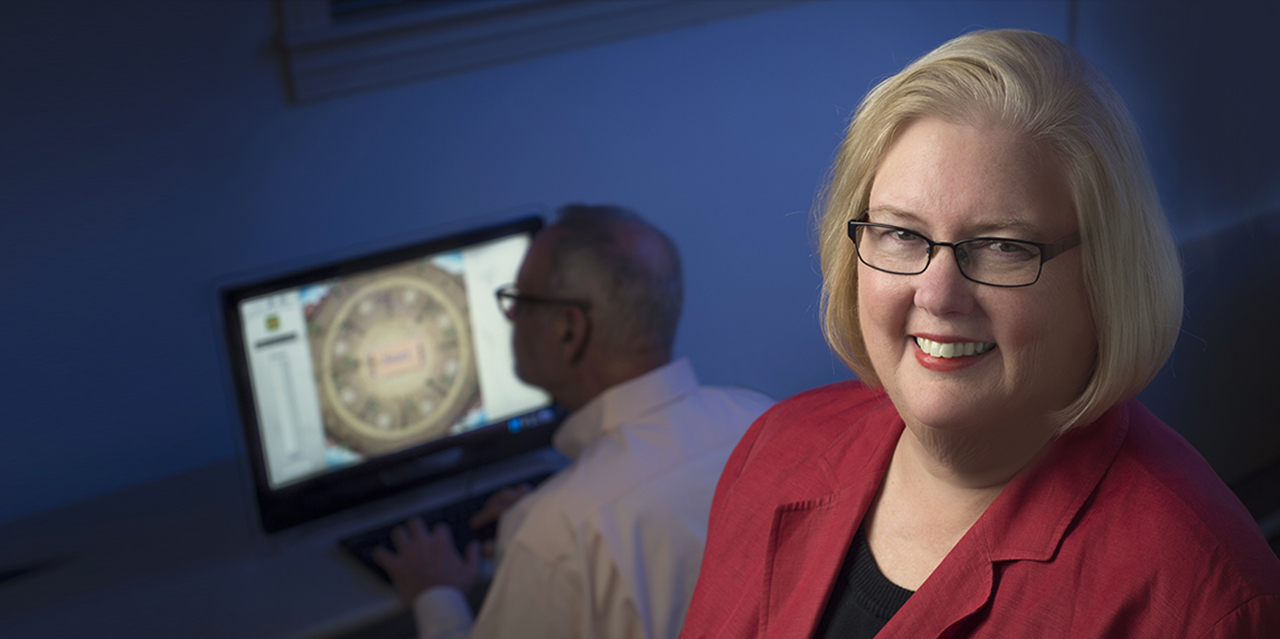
(943, 406)
(950, 418)
(953, 424)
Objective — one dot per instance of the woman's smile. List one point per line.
(948, 350)
(945, 356)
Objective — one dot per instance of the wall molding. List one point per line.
(327, 56)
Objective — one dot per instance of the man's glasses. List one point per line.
(993, 261)
(509, 299)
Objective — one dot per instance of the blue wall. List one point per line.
(149, 153)
(1201, 80)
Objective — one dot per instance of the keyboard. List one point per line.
(456, 515)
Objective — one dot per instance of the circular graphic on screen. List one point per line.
(394, 358)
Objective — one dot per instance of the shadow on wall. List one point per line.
(1219, 387)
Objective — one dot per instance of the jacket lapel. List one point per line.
(1025, 523)
(807, 545)
(810, 537)
(957, 589)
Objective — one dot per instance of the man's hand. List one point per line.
(498, 504)
(424, 560)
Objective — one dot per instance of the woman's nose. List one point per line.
(942, 289)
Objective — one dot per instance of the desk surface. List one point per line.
(185, 557)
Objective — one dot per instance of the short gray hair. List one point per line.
(629, 271)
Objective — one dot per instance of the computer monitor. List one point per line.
(365, 376)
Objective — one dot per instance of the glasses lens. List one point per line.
(892, 249)
(1000, 262)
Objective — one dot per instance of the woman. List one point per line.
(1000, 276)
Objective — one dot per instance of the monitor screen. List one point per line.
(365, 376)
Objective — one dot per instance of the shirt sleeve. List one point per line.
(539, 597)
(530, 597)
(442, 613)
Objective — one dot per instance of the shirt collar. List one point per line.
(1030, 517)
(624, 402)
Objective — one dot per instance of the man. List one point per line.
(610, 546)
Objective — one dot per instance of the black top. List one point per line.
(862, 600)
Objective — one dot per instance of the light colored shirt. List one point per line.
(610, 546)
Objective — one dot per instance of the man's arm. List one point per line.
(556, 585)
(530, 597)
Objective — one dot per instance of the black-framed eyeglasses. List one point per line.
(509, 297)
(994, 261)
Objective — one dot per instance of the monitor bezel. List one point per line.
(315, 497)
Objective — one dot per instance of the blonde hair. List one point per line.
(1042, 89)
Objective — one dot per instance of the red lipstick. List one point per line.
(944, 364)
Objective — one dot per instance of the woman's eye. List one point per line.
(1011, 250)
(902, 236)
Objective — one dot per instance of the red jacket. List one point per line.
(1120, 530)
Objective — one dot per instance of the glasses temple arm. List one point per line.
(1061, 246)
